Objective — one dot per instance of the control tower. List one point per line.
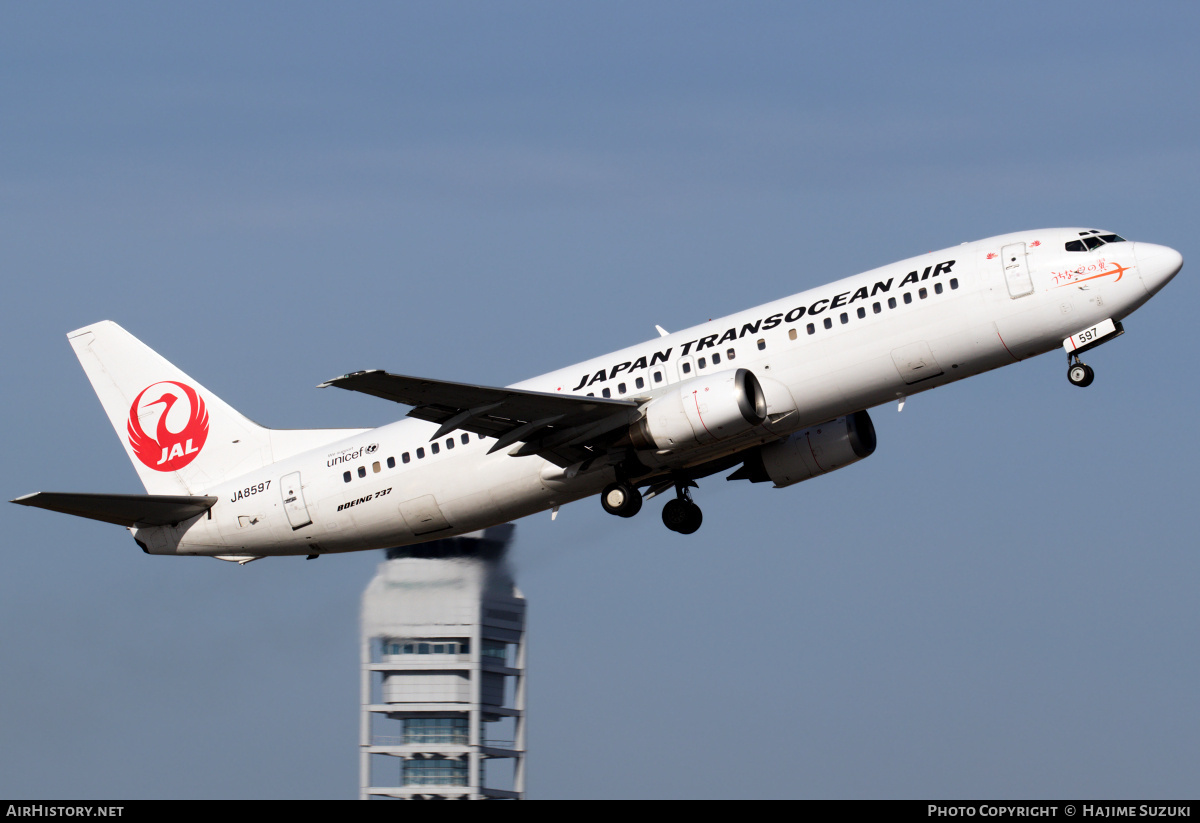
(443, 673)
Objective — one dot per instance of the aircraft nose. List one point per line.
(1157, 265)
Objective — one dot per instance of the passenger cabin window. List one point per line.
(861, 312)
(421, 453)
(716, 358)
(434, 448)
(828, 323)
(465, 439)
(762, 344)
(937, 288)
(606, 393)
(845, 318)
(877, 308)
(908, 297)
(375, 467)
(658, 377)
(791, 334)
(701, 363)
(362, 471)
(953, 282)
(687, 368)
(346, 476)
(891, 302)
(640, 383)
(812, 329)
(620, 388)
(923, 293)
(731, 354)
(391, 462)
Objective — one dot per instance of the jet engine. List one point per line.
(811, 452)
(702, 410)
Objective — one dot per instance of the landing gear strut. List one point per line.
(681, 514)
(621, 499)
(1078, 373)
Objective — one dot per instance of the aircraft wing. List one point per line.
(563, 428)
(122, 509)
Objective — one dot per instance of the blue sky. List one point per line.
(999, 603)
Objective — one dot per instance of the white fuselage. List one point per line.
(826, 352)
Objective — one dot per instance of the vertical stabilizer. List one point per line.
(181, 438)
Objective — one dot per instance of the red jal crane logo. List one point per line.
(167, 450)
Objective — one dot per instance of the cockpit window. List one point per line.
(1092, 239)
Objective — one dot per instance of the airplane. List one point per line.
(778, 393)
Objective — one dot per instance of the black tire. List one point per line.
(682, 516)
(674, 514)
(695, 518)
(1081, 375)
(621, 499)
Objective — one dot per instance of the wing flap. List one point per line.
(122, 509)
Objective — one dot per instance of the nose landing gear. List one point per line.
(1079, 373)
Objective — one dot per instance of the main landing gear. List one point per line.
(679, 515)
(621, 499)
(1078, 373)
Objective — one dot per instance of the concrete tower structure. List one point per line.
(443, 673)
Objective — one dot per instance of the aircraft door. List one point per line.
(1016, 270)
(293, 501)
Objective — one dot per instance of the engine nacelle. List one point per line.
(702, 410)
(814, 451)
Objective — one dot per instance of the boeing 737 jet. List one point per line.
(777, 393)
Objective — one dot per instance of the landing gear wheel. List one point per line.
(1080, 375)
(621, 499)
(683, 516)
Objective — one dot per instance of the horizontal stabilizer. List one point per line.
(122, 509)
